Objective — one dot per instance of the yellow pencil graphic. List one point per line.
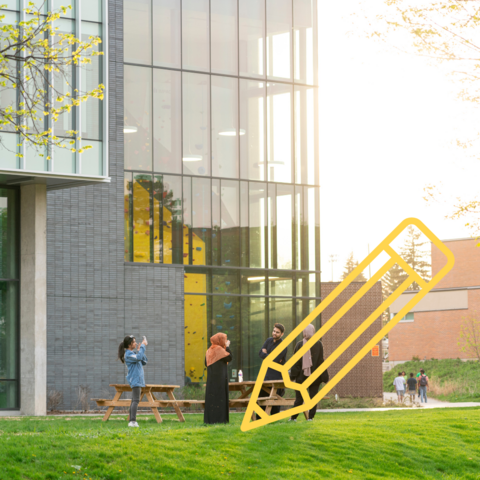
(395, 258)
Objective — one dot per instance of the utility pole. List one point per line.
(332, 260)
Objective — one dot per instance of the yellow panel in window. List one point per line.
(195, 337)
(141, 220)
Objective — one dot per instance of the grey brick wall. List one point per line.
(93, 300)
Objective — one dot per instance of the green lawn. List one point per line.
(405, 444)
(450, 380)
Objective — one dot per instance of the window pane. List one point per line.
(305, 41)
(312, 227)
(195, 35)
(187, 221)
(305, 128)
(128, 215)
(198, 309)
(257, 203)
(279, 132)
(64, 159)
(224, 36)
(271, 227)
(252, 129)
(8, 395)
(91, 78)
(166, 34)
(230, 223)
(284, 226)
(244, 234)
(9, 204)
(226, 315)
(172, 220)
(8, 150)
(91, 9)
(216, 250)
(280, 284)
(253, 336)
(202, 220)
(167, 126)
(159, 226)
(225, 127)
(252, 38)
(137, 31)
(253, 282)
(8, 331)
(279, 39)
(298, 229)
(282, 311)
(142, 218)
(197, 280)
(138, 118)
(196, 124)
(225, 281)
(92, 159)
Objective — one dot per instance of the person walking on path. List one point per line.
(399, 384)
(305, 366)
(135, 362)
(271, 344)
(422, 386)
(216, 394)
(418, 385)
(412, 387)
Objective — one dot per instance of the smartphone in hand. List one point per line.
(145, 340)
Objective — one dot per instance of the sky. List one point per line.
(388, 126)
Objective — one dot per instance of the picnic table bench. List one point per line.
(149, 391)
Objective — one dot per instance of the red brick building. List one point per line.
(432, 329)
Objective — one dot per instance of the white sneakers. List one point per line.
(133, 424)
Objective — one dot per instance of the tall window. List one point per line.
(221, 163)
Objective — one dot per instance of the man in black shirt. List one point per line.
(270, 344)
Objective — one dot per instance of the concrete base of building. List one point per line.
(10, 413)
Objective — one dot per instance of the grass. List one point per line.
(420, 444)
(449, 380)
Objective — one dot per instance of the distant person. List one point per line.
(418, 385)
(305, 366)
(412, 387)
(269, 346)
(422, 386)
(216, 394)
(135, 362)
(399, 384)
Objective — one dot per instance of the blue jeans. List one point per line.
(423, 393)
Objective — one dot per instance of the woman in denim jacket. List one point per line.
(135, 362)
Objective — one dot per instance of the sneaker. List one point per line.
(133, 424)
(309, 419)
(293, 420)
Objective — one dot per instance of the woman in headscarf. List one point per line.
(310, 361)
(216, 395)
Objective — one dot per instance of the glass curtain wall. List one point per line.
(9, 298)
(221, 164)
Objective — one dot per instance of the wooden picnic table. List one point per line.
(148, 391)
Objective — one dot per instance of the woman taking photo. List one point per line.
(310, 361)
(216, 395)
(135, 362)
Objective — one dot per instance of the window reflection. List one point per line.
(257, 230)
(279, 39)
(225, 131)
(305, 41)
(279, 132)
(166, 34)
(138, 118)
(196, 123)
(142, 218)
(128, 215)
(280, 283)
(305, 128)
(137, 31)
(195, 35)
(282, 310)
(253, 282)
(224, 36)
(252, 128)
(202, 221)
(225, 281)
(216, 250)
(252, 38)
(230, 223)
(284, 229)
(167, 131)
(173, 233)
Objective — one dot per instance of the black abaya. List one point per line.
(216, 395)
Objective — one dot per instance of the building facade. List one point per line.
(211, 220)
(432, 328)
(26, 175)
